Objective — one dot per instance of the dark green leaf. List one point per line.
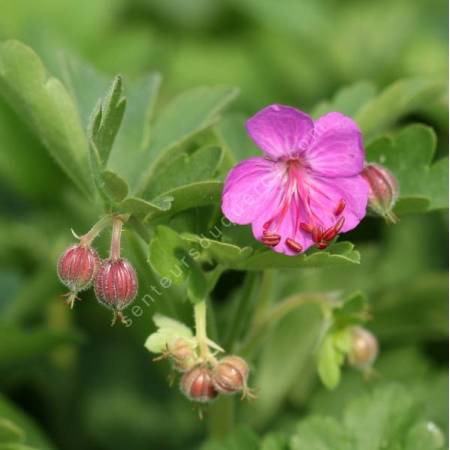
(114, 186)
(46, 106)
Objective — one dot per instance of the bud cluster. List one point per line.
(114, 279)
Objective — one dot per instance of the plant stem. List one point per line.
(200, 328)
(87, 238)
(115, 239)
(264, 296)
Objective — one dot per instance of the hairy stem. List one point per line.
(87, 238)
(115, 239)
(200, 328)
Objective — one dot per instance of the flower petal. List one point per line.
(249, 187)
(280, 131)
(337, 148)
(325, 194)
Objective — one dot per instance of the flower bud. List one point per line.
(182, 355)
(197, 385)
(383, 190)
(364, 348)
(230, 375)
(116, 284)
(78, 266)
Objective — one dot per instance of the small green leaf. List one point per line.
(330, 360)
(336, 254)
(400, 98)
(45, 105)
(107, 118)
(409, 155)
(197, 288)
(114, 186)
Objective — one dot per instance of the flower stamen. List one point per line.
(294, 245)
(340, 207)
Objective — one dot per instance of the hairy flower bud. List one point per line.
(383, 190)
(182, 355)
(197, 385)
(230, 375)
(116, 284)
(78, 266)
(364, 348)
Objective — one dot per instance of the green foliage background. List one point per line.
(70, 381)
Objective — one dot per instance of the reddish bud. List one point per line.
(230, 375)
(182, 355)
(78, 266)
(383, 190)
(116, 284)
(364, 348)
(197, 385)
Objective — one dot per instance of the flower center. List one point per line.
(296, 200)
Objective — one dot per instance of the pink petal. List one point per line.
(249, 187)
(326, 193)
(337, 147)
(280, 131)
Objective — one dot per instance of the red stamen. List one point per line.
(294, 245)
(317, 233)
(321, 245)
(307, 227)
(339, 224)
(340, 207)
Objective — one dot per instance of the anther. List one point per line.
(317, 233)
(307, 227)
(340, 207)
(271, 239)
(294, 245)
(321, 245)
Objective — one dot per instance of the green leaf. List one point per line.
(45, 105)
(184, 169)
(400, 98)
(409, 155)
(189, 196)
(337, 254)
(114, 186)
(321, 433)
(167, 255)
(168, 331)
(186, 115)
(232, 134)
(141, 208)
(348, 100)
(197, 288)
(107, 118)
(221, 252)
(330, 360)
(354, 310)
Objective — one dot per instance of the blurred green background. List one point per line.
(70, 380)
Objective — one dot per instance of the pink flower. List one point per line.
(308, 186)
